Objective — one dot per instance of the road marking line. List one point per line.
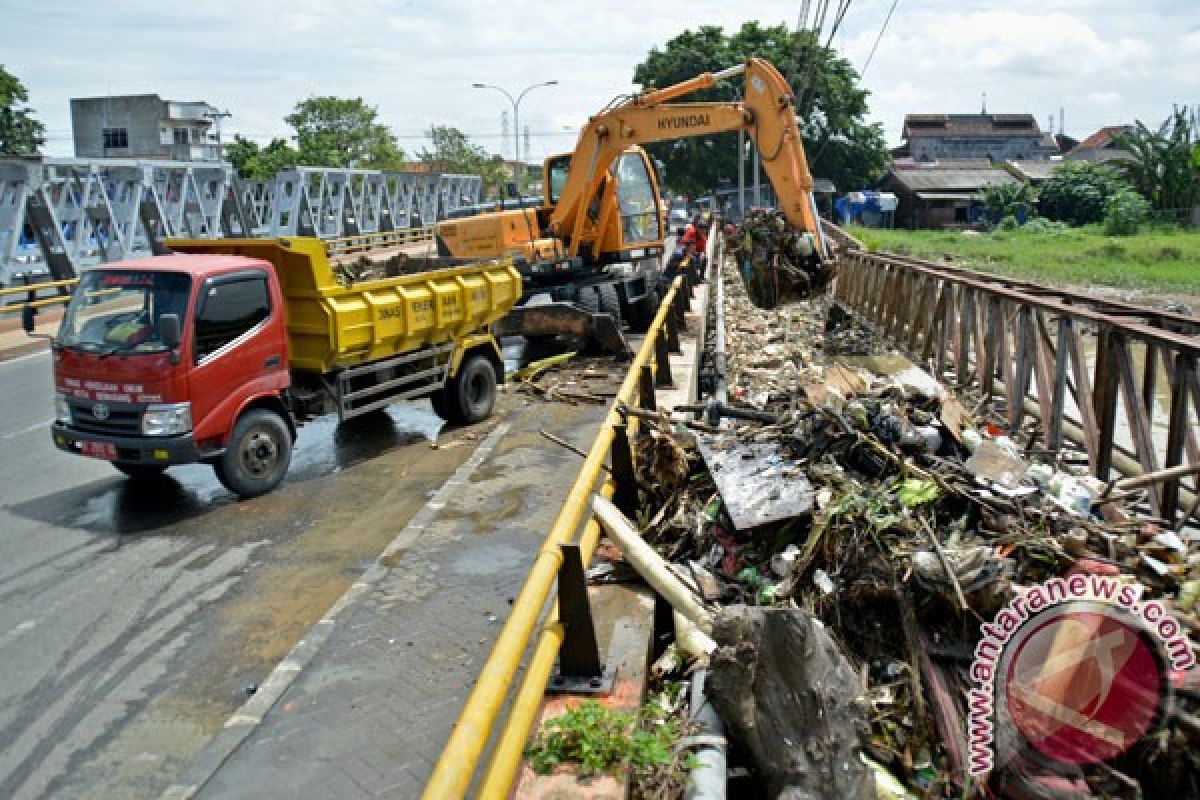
(23, 431)
(209, 760)
(26, 357)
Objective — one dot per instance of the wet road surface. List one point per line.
(134, 618)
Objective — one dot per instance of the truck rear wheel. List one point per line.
(257, 455)
(471, 394)
(139, 472)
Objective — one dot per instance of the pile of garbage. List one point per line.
(778, 263)
(368, 269)
(846, 494)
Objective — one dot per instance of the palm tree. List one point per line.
(1163, 164)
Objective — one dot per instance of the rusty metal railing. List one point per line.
(363, 242)
(1117, 379)
(460, 758)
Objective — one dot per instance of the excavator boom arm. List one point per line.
(766, 112)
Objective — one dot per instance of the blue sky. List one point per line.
(1104, 61)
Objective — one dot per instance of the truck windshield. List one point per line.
(118, 311)
(635, 196)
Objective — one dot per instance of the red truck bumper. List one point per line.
(161, 450)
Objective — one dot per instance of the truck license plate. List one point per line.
(99, 450)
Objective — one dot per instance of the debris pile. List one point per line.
(368, 269)
(778, 263)
(859, 497)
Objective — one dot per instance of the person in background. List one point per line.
(695, 244)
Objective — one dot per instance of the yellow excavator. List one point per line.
(596, 240)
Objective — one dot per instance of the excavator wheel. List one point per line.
(588, 300)
(641, 315)
(610, 303)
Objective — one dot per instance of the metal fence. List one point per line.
(60, 214)
(459, 761)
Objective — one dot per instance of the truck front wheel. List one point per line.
(257, 456)
(471, 394)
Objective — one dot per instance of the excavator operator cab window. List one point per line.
(636, 200)
(558, 177)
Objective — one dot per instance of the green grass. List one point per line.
(1157, 260)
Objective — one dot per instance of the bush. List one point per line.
(1043, 225)
(1009, 223)
(1125, 211)
(1078, 192)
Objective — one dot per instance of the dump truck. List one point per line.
(217, 352)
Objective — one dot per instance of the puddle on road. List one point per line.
(489, 559)
(498, 507)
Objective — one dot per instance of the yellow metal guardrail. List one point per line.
(36, 287)
(455, 768)
(348, 245)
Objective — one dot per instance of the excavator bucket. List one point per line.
(564, 319)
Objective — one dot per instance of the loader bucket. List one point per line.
(564, 319)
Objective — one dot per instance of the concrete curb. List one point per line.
(246, 719)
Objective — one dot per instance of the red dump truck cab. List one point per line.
(126, 395)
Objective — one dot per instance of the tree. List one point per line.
(451, 151)
(840, 145)
(20, 133)
(343, 132)
(260, 163)
(1163, 165)
(1125, 212)
(1077, 192)
(1010, 200)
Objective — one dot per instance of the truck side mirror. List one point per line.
(27, 314)
(168, 330)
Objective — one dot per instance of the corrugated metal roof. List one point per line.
(965, 180)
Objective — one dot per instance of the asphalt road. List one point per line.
(134, 618)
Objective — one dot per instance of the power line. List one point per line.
(875, 46)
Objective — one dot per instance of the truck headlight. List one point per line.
(62, 409)
(168, 419)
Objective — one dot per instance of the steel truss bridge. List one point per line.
(58, 214)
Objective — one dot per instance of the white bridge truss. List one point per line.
(58, 214)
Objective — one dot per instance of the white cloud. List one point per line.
(1107, 61)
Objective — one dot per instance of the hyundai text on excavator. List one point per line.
(596, 241)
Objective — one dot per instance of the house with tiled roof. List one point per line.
(1101, 145)
(995, 137)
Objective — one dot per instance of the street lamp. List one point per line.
(516, 104)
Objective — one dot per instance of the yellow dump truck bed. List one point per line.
(331, 325)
